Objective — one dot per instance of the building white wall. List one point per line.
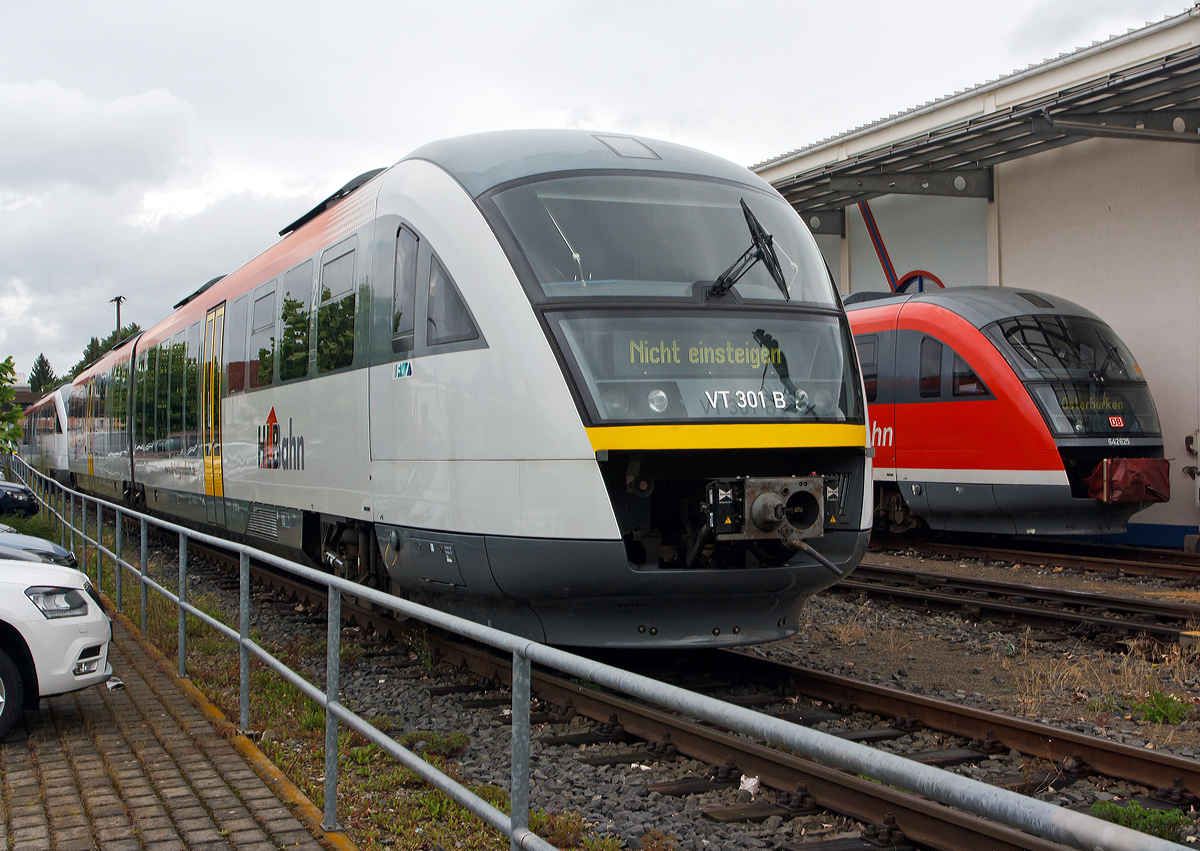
(1114, 225)
(944, 236)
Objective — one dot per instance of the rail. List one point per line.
(1039, 818)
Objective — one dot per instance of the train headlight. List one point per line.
(657, 400)
(616, 401)
(823, 402)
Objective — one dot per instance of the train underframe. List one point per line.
(716, 548)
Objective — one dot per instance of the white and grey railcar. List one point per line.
(44, 437)
(534, 378)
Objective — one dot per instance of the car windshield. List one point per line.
(612, 236)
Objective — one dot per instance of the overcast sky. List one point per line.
(146, 147)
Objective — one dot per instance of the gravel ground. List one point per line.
(1062, 683)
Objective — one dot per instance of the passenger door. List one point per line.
(210, 414)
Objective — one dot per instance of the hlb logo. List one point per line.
(404, 369)
(276, 452)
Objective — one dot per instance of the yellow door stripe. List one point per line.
(729, 436)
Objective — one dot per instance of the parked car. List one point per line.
(17, 499)
(47, 550)
(54, 636)
(14, 554)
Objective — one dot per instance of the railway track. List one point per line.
(802, 786)
(1104, 618)
(1171, 565)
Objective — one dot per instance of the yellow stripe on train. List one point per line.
(727, 436)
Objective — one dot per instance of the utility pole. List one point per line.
(118, 299)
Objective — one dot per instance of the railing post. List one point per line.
(244, 633)
(99, 547)
(72, 523)
(62, 517)
(83, 533)
(519, 791)
(333, 657)
(119, 548)
(182, 618)
(145, 573)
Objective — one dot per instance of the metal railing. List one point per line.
(1024, 813)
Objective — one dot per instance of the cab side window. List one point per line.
(931, 368)
(870, 365)
(404, 291)
(448, 321)
(964, 381)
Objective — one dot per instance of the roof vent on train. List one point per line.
(332, 201)
(1036, 300)
(180, 304)
(624, 146)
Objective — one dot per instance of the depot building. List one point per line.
(1078, 177)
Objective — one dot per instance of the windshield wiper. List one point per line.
(761, 248)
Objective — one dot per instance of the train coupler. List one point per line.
(776, 509)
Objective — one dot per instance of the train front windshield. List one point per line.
(1083, 377)
(608, 240)
(614, 236)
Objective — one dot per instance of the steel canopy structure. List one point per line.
(1153, 99)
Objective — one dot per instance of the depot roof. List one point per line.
(1144, 84)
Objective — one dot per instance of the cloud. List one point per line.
(1059, 26)
(51, 135)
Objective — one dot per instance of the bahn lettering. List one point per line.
(276, 452)
(880, 436)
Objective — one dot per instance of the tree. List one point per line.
(10, 413)
(42, 377)
(97, 347)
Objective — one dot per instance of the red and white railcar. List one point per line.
(1004, 411)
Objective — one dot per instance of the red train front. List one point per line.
(1004, 411)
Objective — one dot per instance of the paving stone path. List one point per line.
(135, 769)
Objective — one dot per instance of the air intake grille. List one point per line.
(263, 523)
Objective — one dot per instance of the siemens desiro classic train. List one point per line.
(591, 389)
(44, 437)
(1002, 410)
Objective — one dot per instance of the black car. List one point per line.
(17, 499)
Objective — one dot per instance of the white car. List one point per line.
(54, 636)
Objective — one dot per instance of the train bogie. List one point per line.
(509, 377)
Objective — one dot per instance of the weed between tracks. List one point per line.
(1133, 685)
(381, 804)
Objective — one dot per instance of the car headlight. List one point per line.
(57, 602)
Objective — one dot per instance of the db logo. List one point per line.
(1116, 422)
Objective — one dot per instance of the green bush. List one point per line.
(1165, 824)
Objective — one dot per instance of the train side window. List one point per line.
(931, 368)
(192, 390)
(139, 402)
(261, 367)
(335, 315)
(449, 321)
(869, 363)
(162, 398)
(178, 397)
(404, 291)
(235, 346)
(964, 380)
(295, 302)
